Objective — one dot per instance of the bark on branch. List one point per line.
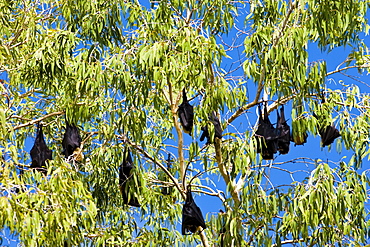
(37, 120)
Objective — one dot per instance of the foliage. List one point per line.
(117, 70)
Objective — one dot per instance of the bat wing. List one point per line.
(328, 135)
(267, 144)
(284, 132)
(191, 215)
(71, 140)
(205, 134)
(124, 177)
(217, 124)
(189, 114)
(181, 112)
(131, 201)
(40, 152)
(186, 114)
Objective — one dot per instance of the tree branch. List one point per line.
(143, 152)
(37, 120)
(285, 22)
(348, 67)
(241, 110)
(180, 141)
(203, 237)
(292, 241)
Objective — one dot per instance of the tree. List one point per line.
(116, 69)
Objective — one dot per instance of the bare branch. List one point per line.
(348, 67)
(203, 236)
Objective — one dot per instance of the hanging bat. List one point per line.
(71, 142)
(328, 135)
(192, 217)
(268, 143)
(217, 126)
(40, 152)
(186, 114)
(284, 132)
(124, 177)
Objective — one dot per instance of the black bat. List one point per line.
(71, 140)
(284, 132)
(186, 114)
(217, 125)
(328, 135)
(268, 145)
(192, 217)
(124, 177)
(40, 152)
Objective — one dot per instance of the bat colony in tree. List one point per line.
(269, 141)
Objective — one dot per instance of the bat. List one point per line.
(217, 126)
(192, 217)
(71, 141)
(186, 114)
(124, 177)
(40, 152)
(268, 135)
(284, 132)
(328, 135)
